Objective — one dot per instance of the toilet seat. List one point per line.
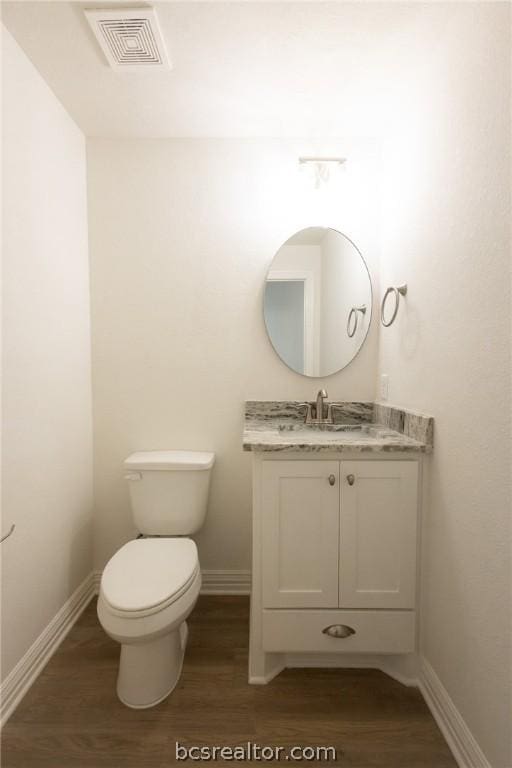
(147, 575)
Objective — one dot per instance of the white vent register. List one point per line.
(130, 38)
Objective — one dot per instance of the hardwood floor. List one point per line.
(71, 717)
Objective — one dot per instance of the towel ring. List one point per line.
(400, 290)
(8, 534)
(353, 314)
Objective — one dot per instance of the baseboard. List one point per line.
(461, 741)
(214, 582)
(96, 575)
(19, 680)
(226, 583)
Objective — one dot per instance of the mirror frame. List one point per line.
(370, 316)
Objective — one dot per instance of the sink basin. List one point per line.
(322, 427)
(363, 430)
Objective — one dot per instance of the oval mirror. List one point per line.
(317, 301)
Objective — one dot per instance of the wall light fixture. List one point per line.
(322, 167)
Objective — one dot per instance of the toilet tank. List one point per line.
(169, 490)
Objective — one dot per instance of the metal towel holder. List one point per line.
(400, 290)
(11, 530)
(353, 314)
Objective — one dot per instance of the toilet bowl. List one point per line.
(148, 589)
(150, 586)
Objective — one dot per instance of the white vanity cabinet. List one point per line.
(378, 522)
(339, 534)
(334, 569)
(300, 515)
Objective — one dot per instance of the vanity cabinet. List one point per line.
(378, 521)
(335, 543)
(339, 534)
(300, 533)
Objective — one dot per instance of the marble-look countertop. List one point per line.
(279, 426)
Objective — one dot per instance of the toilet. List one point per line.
(150, 586)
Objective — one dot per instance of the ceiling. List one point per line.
(239, 69)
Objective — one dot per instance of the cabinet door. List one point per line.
(300, 534)
(378, 534)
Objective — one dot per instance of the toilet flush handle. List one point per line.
(133, 476)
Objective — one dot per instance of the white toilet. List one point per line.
(150, 586)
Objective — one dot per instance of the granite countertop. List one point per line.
(358, 427)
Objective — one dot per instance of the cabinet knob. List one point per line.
(351, 479)
(332, 479)
(338, 630)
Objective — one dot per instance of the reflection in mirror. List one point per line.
(317, 301)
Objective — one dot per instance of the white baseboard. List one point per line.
(19, 680)
(214, 582)
(96, 575)
(226, 583)
(461, 741)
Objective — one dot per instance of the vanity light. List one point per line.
(322, 167)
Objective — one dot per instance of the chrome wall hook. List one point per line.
(352, 326)
(400, 290)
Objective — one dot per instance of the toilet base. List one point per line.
(149, 672)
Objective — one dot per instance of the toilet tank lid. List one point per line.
(166, 460)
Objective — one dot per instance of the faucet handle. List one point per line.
(309, 414)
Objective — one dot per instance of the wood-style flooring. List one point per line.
(71, 717)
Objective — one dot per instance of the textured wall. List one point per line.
(182, 233)
(446, 232)
(47, 415)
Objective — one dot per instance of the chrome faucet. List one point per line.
(318, 410)
(322, 394)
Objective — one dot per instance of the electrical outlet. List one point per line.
(384, 386)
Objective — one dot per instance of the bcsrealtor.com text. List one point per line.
(251, 751)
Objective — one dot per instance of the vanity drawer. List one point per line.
(372, 631)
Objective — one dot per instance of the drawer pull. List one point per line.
(351, 479)
(332, 479)
(338, 630)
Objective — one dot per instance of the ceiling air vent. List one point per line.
(130, 38)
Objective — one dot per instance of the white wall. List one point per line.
(446, 232)
(182, 233)
(47, 424)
